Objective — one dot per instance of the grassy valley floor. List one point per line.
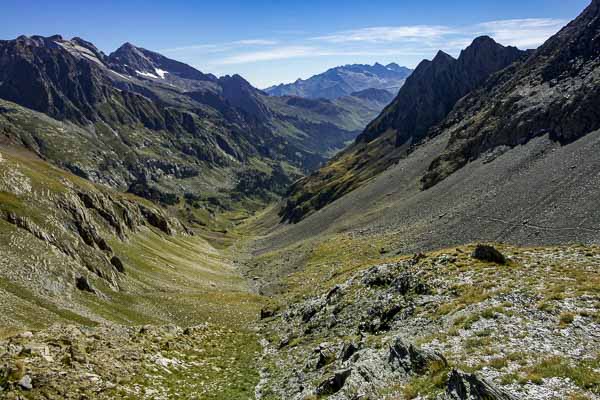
(182, 320)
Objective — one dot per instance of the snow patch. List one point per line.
(80, 51)
(161, 72)
(147, 74)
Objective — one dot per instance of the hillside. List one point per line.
(140, 122)
(428, 96)
(363, 296)
(451, 252)
(345, 80)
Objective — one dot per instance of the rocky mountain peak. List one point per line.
(483, 41)
(132, 56)
(344, 80)
(553, 93)
(443, 57)
(139, 62)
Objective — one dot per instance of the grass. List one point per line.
(583, 374)
(566, 319)
(429, 384)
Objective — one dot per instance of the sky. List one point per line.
(270, 42)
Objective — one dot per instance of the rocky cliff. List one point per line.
(428, 96)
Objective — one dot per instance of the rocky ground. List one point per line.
(345, 315)
(148, 362)
(527, 328)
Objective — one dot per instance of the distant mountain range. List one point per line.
(345, 80)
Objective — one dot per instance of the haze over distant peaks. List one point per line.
(345, 80)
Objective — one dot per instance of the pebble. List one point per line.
(25, 383)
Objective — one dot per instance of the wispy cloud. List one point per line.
(264, 59)
(221, 47)
(525, 33)
(516, 32)
(382, 41)
(275, 53)
(255, 42)
(387, 34)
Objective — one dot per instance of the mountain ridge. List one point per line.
(206, 126)
(426, 98)
(344, 80)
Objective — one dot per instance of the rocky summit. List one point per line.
(369, 233)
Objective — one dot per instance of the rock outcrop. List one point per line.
(463, 386)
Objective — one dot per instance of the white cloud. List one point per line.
(388, 34)
(407, 45)
(221, 47)
(276, 53)
(524, 33)
(530, 32)
(255, 42)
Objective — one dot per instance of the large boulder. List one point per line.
(489, 254)
(462, 386)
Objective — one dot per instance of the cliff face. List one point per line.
(428, 96)
(435, 86)
(554, 93)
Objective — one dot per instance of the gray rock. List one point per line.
(411, 359)
(334, 384)
(84, 285)
(463, 386)
(25, 383)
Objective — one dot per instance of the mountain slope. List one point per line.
(554, 93)
(361, 287)
(84, 267)
(535, 183)
(343, 81)
(159, 128)
(425, 100)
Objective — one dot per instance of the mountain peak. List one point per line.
(442, 56)
(483, 40)
(344, 80)
(126, 47)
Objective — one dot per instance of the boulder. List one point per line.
(410, 358)
(462, 386)
(25, 383)
(118, 264)
(84, 285)
(266, 313)
(489, 254)
(333, 384)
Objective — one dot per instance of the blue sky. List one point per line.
(270, 42)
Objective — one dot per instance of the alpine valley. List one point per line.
(371, 232)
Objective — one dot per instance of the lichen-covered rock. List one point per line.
(463, 386)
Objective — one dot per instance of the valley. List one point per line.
(371, 232)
